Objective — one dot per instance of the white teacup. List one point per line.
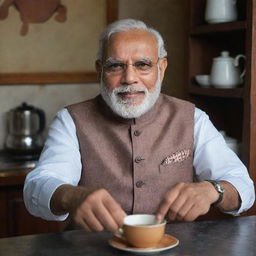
(142, 230)
(203, 80)
(217, 11)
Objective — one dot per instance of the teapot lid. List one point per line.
(24, 106)
(223, 55)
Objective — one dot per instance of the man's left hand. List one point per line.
(187, 201)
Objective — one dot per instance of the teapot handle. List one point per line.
(236, 63)
(42, 120)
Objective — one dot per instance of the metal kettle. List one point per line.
(25, 125)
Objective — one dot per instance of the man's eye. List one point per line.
(115, 66)
(143, 65)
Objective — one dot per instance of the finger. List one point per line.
(192, 214)
(105, 218)
(176, 206)
(92, 222)
(165, 204)
(115, 210)
(81, 222)
(86, 227)
(183, 210)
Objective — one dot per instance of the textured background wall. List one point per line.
(50, 98)
(167, 16)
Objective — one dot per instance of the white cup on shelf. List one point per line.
(203, 80)
(218, 11)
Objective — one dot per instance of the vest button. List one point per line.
(139, 184)
(137, 133)
(138, 159)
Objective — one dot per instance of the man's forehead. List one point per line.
(133, 32)
(132, 39)
(132, 35)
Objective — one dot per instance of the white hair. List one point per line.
(126, 25)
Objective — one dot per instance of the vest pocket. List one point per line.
(175, 161)
(173, 167)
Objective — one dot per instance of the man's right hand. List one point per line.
(93, 210)
(99, 211)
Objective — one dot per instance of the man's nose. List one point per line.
(129, 75)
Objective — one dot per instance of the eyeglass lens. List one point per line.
(142, 66)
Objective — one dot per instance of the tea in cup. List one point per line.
(142, 230)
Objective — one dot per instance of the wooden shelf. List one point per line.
(212, 29)
(216, 92)
(232, 110)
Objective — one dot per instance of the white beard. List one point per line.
(125, 107)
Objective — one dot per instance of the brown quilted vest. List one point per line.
(136, 160)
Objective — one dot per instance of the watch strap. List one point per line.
(218, 187)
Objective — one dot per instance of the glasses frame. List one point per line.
(129, 64)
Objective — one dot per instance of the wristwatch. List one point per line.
(219, 189)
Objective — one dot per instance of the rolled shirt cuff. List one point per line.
(44, 198)
(246, 192)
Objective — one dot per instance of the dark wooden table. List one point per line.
(234, 237)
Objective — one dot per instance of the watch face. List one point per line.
(219, 187)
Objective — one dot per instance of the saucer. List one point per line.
(167, 242)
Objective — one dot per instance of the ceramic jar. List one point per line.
(218, 11)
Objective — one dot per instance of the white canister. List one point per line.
(218, 11)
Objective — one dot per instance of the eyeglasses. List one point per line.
(115, 67)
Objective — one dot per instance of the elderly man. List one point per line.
(132, 149)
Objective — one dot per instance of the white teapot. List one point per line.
(217, 11)
(225, 72)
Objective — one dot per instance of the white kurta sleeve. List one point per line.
(59, 163)
(214, 160)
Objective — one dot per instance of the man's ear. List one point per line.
(163, 63)
(98, 68)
